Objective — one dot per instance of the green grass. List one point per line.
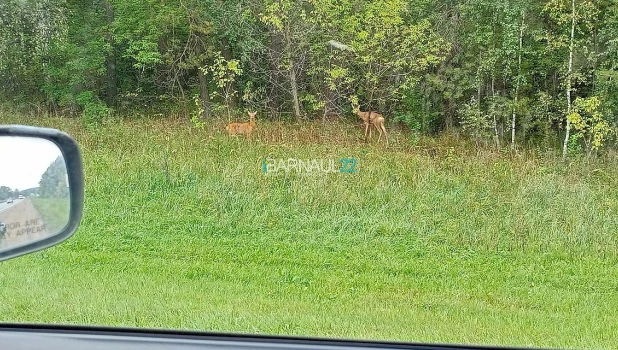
(55, 212)
(183, 230)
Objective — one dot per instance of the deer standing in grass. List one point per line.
(242, 128)
(374, 119)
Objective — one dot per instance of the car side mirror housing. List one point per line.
(41, 189)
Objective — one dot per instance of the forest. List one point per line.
(507, 74)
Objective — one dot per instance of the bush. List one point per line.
(412, 114)
(94, 110)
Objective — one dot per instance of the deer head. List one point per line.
(252, 117)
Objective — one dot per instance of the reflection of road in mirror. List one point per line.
(34, 191)
(23, 223)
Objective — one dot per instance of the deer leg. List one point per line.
(366, 130)
(385, 134)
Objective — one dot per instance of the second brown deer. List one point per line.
(371, 119)
(242, 128)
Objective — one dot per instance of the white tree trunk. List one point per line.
(568, 91)
(521, 44)
(493, 112)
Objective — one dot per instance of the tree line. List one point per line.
(54, 181)
(506, 72)
(7, 192)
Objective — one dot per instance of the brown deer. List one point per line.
(242, 128)
(374, 119)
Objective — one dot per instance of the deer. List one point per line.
(242, 128)
(370, 119)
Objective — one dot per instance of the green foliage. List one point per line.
(417, 62)
(412, 112)
(27, 30)
(76, 62)
(53, 182)
(389, 50)
(587, 118)
(224, 74)
(224, 71)
(94, 111)
(311, 103)
(196, 115)
(474, 121)
(574, 146)
(5, 192)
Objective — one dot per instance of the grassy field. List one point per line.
(55, 212)
(427, 243)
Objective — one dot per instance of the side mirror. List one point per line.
(41, 189)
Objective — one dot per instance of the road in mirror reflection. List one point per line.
(34, 191)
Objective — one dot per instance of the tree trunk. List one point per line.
(426, 107)
(448, 120)
(517, 84)
(329, 106)
(568, 91)
(292, 73)
(275, 58)
(204, 95)
(294, 87)
(513, 124)
(493, 113)
(110, 59)
(226, 52)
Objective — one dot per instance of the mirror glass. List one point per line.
(34, 190)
